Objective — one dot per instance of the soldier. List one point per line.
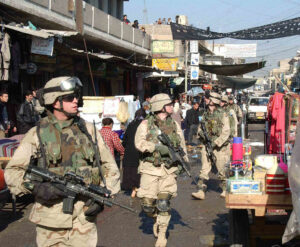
(231, 114)
(158, 174)
(218, 130)
(65, 143)
(235, 107)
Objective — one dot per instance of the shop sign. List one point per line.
(207, 87)
(162, 46)
(194, 46)
(43, 59)
(194, 72)
(31, 68)
(195, 59)
(166, 64)
(42, 46)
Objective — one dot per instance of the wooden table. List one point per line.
(248, 220)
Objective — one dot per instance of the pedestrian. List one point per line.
(6, 123)
(135, 24)
(231, 115)
(218, 131)
(131, 178)
(235, 107)
(26, 116)
(177, 112)
(65, 143)
(125, 19)
(164, 21)
(169, 21)
(39, 110)
(159, 22)
(158, 174)
(111, 138)
(144, 110)
(192, 123)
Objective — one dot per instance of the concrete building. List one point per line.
(114, 8)
(103, 31)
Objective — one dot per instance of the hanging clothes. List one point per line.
(5, 57)
(276, 114)
(15, 61)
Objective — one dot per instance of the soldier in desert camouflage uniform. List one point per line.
(218, 130)
(158, 175)
(62, 142)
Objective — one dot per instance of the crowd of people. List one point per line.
(62, 142)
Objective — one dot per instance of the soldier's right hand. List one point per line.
(47, 193)
(162, 149)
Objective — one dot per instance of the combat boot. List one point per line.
(223, 194)
(200, 195)
(161, 237)
(163, 222)
(223, 187)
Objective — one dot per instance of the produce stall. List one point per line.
(259, 197)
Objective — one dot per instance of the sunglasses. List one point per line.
(70, 97)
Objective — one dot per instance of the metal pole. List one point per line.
(185, 64)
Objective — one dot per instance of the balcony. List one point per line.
(102, 29)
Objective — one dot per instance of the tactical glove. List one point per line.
(94, 208)
(47, 193)
(162, 149)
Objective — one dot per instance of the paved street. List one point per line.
(193, 224)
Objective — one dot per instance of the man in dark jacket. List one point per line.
(192, 122)
(26, 114)
(7, 125)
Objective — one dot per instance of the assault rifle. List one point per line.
(74, 186)
(208, 145)
(176, 154)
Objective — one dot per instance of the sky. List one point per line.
(227, 16)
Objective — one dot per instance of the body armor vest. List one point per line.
(155, 126)
(68, 149)
(213, 123)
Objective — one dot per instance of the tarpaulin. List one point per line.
(270, 31)
(234, 69)
(236, 82)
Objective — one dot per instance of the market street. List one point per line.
(193, 223)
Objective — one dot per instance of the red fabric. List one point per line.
(112, 140)
(276, 117)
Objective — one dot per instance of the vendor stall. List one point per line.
(258, 194)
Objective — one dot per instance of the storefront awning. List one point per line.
(162, 74)
(117, 59)
(43, 33)
(235, 69)
(236, 82)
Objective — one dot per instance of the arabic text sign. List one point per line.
(240, 50)
(42, 46)
(162, 46)
(167, 64)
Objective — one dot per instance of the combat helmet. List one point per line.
(215, 98)
(224, 98)
(57, 87)
(158, 101)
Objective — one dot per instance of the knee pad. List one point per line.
(163, 202)
(148, 206)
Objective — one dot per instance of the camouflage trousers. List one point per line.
(80, 235)
(151, 185)
(222, 156)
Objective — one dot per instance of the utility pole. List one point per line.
(185, 65)
(145, 11)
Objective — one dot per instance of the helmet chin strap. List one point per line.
(61, 109)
